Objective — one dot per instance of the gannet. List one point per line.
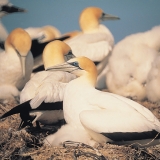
(99, 117)
(48, 85)
(7, 8)
(16, 63)
(96, 41)
(130, 63)
(41, 36)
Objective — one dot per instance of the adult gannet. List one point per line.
(41, 36)
(96, 41)
(95, 116)
(130, 63)
(7, 8)
(48, 85)
(16, 63)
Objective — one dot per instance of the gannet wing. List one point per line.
(117, 126)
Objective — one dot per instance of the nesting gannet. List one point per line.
(7, 8)
(48, 85)
(130, 63)
(16, 63)
(96, 41)
(98, 116)
(41, 36)
(153, 81)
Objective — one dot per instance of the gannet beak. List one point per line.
(69, 56)
(12, 9)
(105, 17)
(23, 63)
(66, 67)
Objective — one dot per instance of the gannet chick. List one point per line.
(48, 85)
(130, 63)
(16, 63)
(7, 8)
(100, 116)
(153, 81)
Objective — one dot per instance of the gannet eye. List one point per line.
(76, 64)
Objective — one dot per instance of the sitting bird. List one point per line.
(95, 40)
(45, 88)
(93, 116)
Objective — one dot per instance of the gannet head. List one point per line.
(81, 67)
(19, 41)
(8, 8)
(90, 18)
(55, 53)
(48, 33)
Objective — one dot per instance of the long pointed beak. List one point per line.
(108, 17)
(23, 65)
(12, 9)
(66, 67)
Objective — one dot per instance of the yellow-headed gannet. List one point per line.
(16, 63)
(130, 63)
(96, 41)
(46, 87)
(41, 36)
(95, 116)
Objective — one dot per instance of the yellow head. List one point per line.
(85, 67)
(54, 52)
(19, 41)
(89, 18)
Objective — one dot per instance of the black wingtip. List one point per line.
(24, 107)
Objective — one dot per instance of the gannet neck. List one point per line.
(54, 52)
(20, 41)
(89, 18)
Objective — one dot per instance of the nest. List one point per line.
(27, 144)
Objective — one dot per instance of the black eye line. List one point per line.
(76, 64)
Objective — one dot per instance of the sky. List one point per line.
(135, 15)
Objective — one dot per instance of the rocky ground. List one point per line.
(27, 143)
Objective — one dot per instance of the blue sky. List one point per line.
(136, 15)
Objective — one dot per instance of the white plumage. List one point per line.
(16, 63)
(99, 116)
(96, 41)
(153, 81)
(48, 85)
(130, 63)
